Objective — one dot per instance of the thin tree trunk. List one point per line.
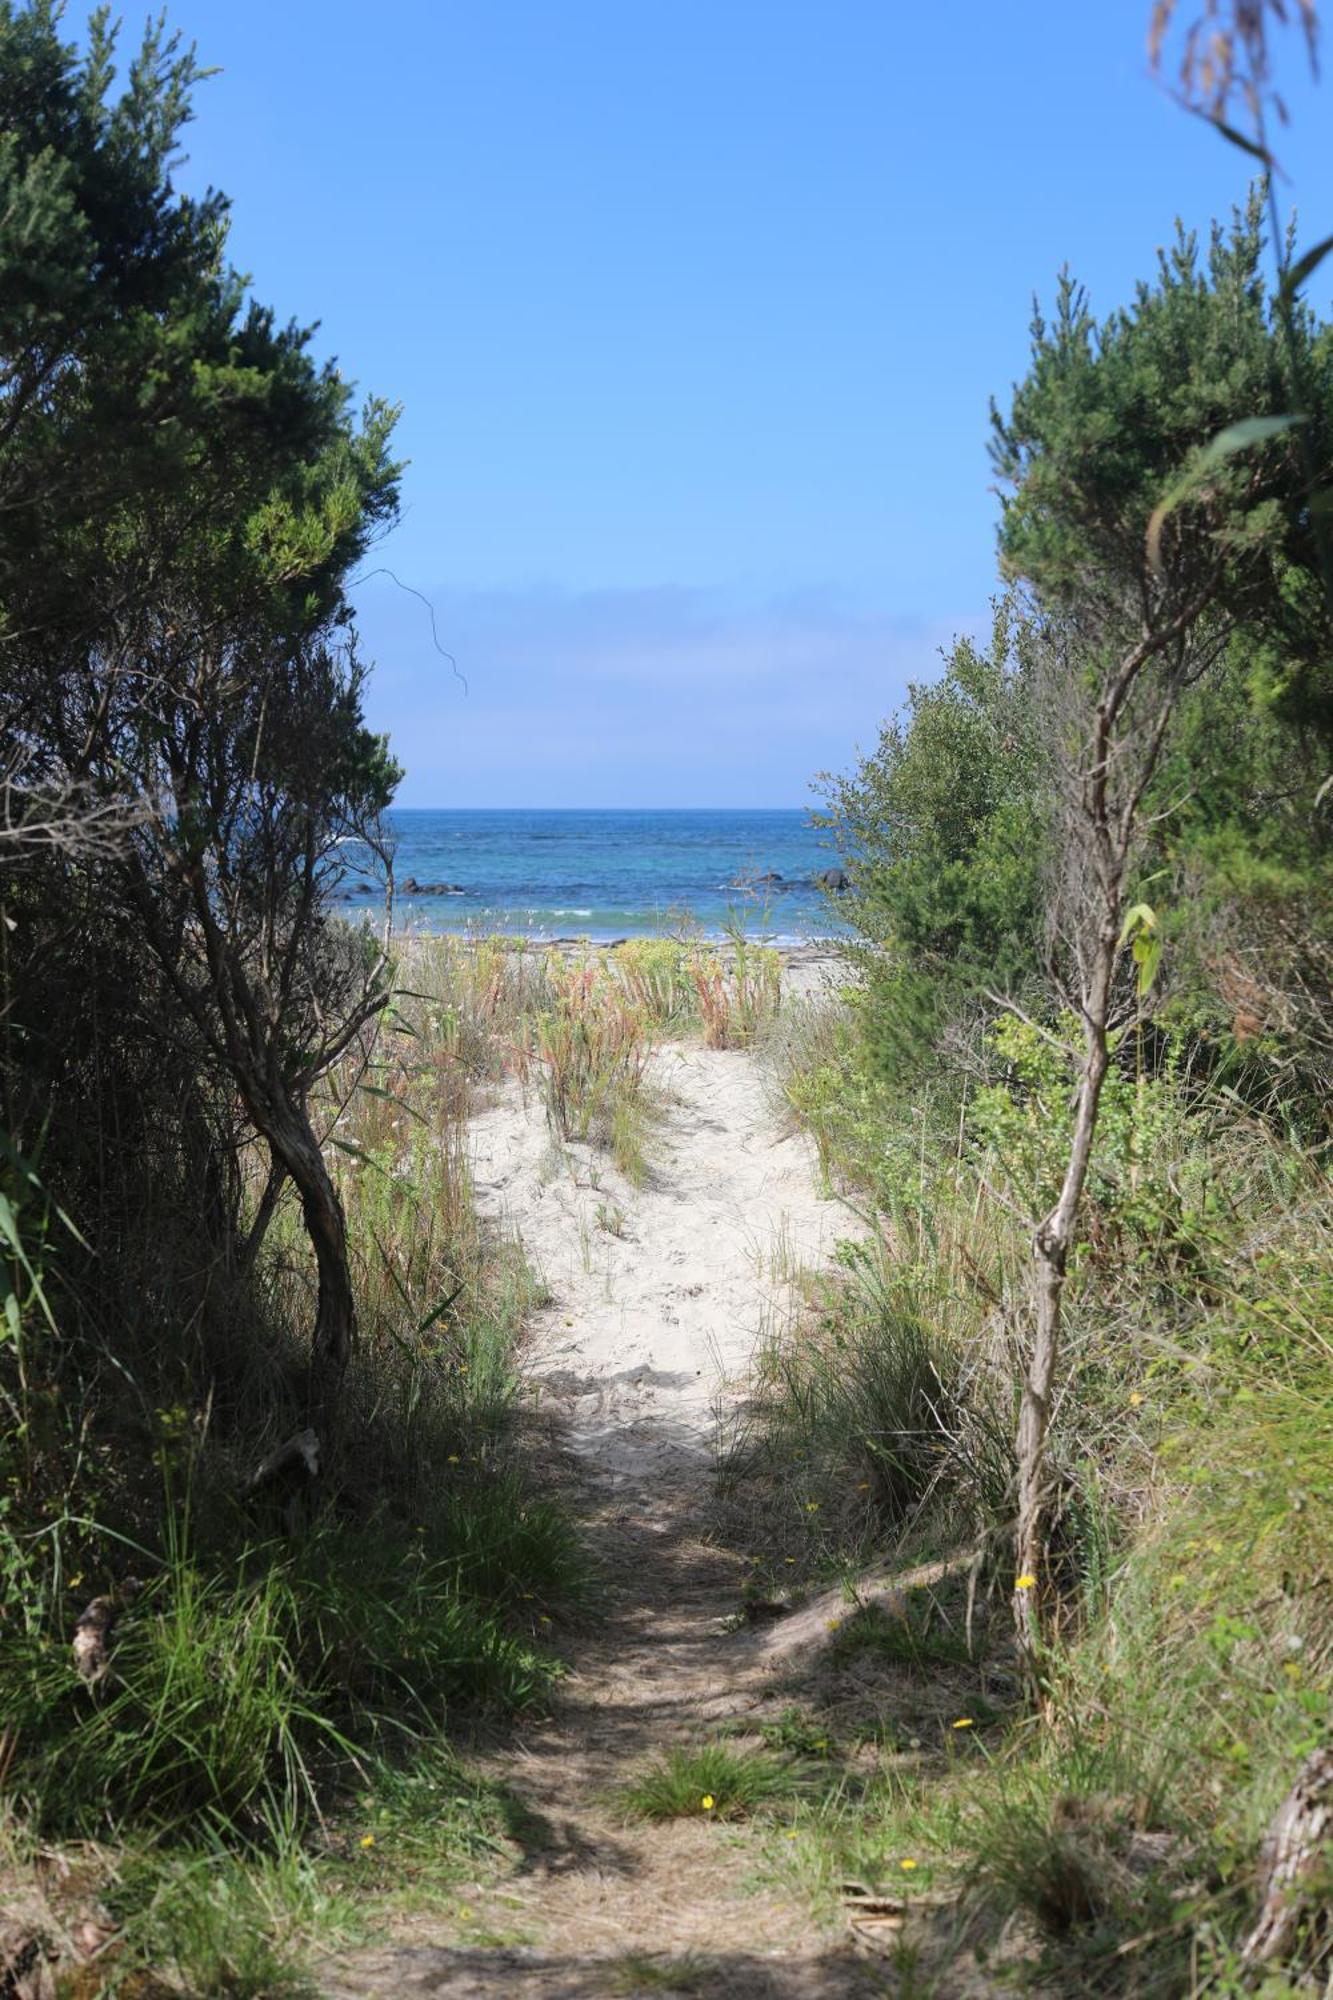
(264, 1214)
(295, 1147)
(1050, 1249)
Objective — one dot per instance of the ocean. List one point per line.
(604, 875)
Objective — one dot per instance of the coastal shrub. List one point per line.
(253, 1678)
(942, 830)
(1191, 1663)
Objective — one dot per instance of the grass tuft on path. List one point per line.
(713, 1781)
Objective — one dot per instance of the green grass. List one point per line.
(222, 1926)
(912, 1638)
(261, 1688)
(713, 1781)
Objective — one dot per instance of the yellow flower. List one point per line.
(1134, 1399)
(812, 1506)
(907, 1862)
(367, 1840)
(963, 1722)
(464, 1913)
(708, 1802)
(1025, 1582)
(453, 1458)
(863, 1485)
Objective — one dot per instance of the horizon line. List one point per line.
(619, 809)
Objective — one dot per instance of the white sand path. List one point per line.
(659, 1294)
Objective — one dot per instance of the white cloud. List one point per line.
(659, 696)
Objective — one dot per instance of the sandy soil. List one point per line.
(658, 1295)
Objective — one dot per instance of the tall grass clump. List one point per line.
(737, 989)
(873, 1424)
(593, 1048)
(221, 1926)
(714, 1781)
(654, 974)
(476, 997)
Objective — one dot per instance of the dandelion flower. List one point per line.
(1135, 1398)
(863, 1485)
(812, 1506)
(907, 1863)
(963, 1722)
(708, 1802)
(1025, 1582)
(453, 1458)
(367, 1840)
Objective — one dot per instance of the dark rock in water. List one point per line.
(833, 878)
(770, 881)
(411, 887)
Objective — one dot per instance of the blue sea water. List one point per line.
(607, 874)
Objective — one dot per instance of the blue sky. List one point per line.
(694, 308)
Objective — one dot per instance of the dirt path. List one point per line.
(657, 1297)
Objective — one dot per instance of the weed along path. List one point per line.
(656, 1296)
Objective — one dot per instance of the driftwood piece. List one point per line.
(298, 1453)
(94, 1629)
(1296, 1864)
